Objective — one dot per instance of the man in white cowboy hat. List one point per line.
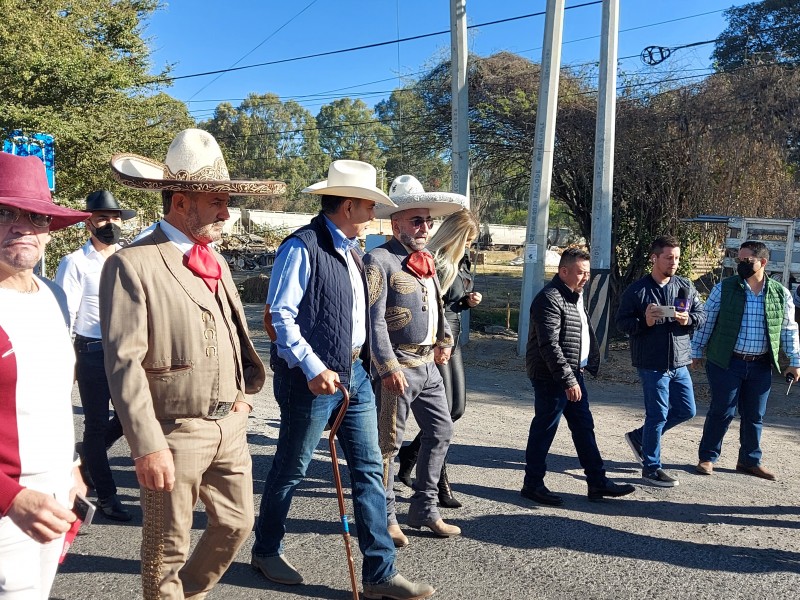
(78, 275)
(317, 317)
(180, 365)
(38, 477)
(410, 333)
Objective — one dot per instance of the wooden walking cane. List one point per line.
(338, 481)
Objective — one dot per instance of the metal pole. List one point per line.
(459, 108)
(542, 167)
(602, 196)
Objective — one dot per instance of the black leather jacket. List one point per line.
(455, 298)
(554, 337)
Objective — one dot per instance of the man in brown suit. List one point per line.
(180, 363)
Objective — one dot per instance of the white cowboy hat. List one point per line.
(194, 163)
(407, 192)
(351, 179)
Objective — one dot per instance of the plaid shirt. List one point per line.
(752, 334)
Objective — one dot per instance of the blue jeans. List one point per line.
(745, 385)
(99, 431)
(668, 401)
(550, 402)
(303, 419)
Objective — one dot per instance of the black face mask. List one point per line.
(108, 234)
(745, 269)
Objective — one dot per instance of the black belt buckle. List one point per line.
(750, 357)
(220, 411)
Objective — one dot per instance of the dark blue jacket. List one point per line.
(666, 345)
(325, 314)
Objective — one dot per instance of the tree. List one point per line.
(759, 32)
(267, 138)
(79, 71)
(348, 129)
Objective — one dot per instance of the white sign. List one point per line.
(531, 252)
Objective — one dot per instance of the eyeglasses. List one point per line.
(750, 259)
(418, 221)
(10, 215)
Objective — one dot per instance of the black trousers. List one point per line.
(99, 432)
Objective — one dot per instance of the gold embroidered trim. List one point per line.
(374, 283)
(387, 431)
(153, 534)
(397, 317)
(218, 171)
(403, 283)
(417, 361)
(447, 342)
(388, 367)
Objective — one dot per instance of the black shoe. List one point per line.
(610, 490)
(113, 509)
(446, 499)
(408, 458)
(635, 446)
(542, 495)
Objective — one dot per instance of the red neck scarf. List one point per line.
(202, 263)
(421, 264)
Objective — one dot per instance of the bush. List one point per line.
(254, 289)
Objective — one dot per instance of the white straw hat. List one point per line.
(351, 179)
(194, 163)
(407, 192)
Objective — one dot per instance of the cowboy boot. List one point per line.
(408, 458)
(446, 499)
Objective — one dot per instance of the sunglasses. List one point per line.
(750, 259)
(10, 215)
(418, 221)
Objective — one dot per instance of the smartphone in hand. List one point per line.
(84, 511)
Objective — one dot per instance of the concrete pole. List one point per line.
(542, 167)
(459, 106)
(460, 113)
(602, 196)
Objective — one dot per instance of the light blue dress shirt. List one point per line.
(287, 286)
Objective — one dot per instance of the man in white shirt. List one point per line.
(79, 276)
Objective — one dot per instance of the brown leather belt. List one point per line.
(355, 354)
(751, 357)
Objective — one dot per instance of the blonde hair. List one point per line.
(447, 245)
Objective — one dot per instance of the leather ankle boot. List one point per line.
(408, 458)
(446, 499)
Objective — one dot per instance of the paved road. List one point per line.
(725, 536)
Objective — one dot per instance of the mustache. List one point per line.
(31, 239)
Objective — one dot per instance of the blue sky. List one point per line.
(202, 35)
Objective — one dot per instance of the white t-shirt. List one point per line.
(37, 366)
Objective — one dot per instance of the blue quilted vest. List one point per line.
(325, 314)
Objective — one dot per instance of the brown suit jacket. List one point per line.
(159, 339)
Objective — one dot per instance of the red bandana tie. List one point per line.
(202, 263)
(421, 264)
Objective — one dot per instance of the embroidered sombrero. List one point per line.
(407, 192)
(194, 163)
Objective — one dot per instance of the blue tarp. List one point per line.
(39, 145)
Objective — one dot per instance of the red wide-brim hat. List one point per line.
(23, 185)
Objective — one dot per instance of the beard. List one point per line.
(203, 233)
(412, 242)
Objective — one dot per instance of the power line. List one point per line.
(261, 43)
(363, 47)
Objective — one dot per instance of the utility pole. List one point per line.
(459, 104)
(542, 167)
(602, 194)
(459, 108)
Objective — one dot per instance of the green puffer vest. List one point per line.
(729, 321)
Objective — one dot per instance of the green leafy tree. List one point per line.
(267, 138)
(349, 129)
(759, 32)
(80, 71)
